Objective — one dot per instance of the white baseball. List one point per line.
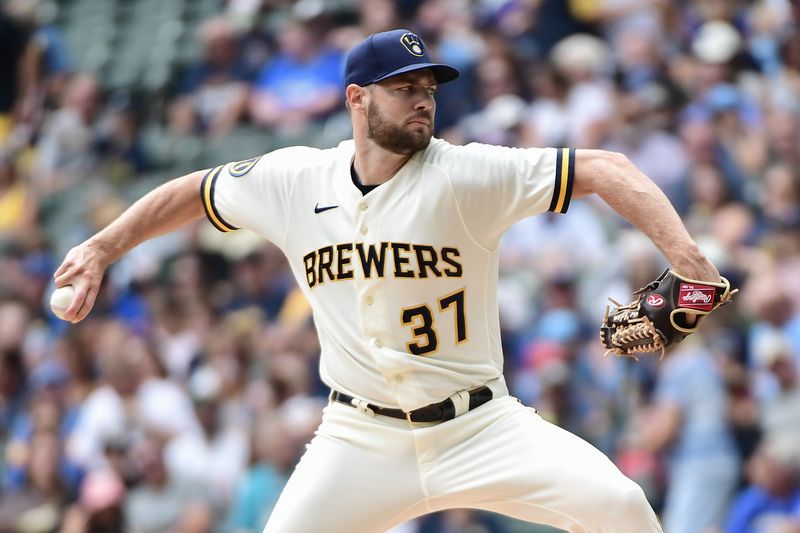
(60, 300)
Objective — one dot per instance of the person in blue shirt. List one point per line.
(772, 500)
(688, 424)
(258, 489)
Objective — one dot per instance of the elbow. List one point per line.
(618, 160)
(610, 164)
(595, 170)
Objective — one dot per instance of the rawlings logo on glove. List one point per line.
(658, 317)
(697, 297)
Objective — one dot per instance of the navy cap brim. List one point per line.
(442, 73)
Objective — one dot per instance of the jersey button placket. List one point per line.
(372, 324)
(361, 218)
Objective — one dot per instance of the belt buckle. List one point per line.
(408, 418)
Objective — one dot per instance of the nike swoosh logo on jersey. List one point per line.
(318, 209)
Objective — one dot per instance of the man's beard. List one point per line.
(395, 138)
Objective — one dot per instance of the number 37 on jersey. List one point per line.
(334, 263)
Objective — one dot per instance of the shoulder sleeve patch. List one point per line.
(240, 168)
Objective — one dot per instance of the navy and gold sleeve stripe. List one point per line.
(565, 175)
(207, 193)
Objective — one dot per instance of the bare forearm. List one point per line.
(164, 209)
(637, 199)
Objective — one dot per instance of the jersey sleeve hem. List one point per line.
(564, 177)
(207, 192)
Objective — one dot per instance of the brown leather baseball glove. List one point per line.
(657, 319)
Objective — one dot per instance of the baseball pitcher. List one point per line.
(393, 237)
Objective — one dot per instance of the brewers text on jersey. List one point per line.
(418, 261)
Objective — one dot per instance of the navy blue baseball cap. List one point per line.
(387, 54)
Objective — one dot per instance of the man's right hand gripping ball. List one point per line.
(660, 315)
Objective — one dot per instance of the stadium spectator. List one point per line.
(50, 411)
(585, 62)
(300, 84)
(783, 133)
(545, 122)
(688, 421)
(66, 154)
(158, 502)
(712, 175)
(38, 505)
(780, 413)
(48, 60)
(643, 131)
(213, 94)
(164, 408)
(216, 457)
(779, 200)
(104, 416)
(772, 499)
(122, 155)
(273, 456)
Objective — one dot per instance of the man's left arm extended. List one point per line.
(637, 199)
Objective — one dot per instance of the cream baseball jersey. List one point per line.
(402, 280)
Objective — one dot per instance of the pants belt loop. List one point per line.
(362, 406)
(460, 402)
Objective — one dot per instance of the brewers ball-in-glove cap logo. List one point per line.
(413, 44)
(388, 54)
(657, 318)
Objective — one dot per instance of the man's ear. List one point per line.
(356, 97)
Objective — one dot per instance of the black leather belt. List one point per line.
(435, 412)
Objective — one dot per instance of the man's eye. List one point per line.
(431, 90)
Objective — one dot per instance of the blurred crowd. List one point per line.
(184, 400)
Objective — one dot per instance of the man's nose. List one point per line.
(424, 103)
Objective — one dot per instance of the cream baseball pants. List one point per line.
(367, 474)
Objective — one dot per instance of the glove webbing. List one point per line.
(638, 329)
